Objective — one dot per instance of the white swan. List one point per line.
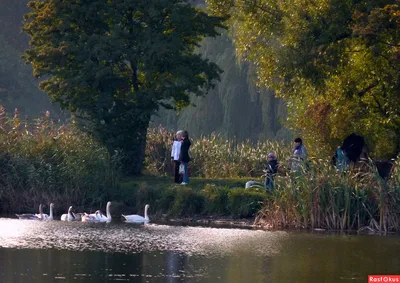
(77, 216)
(68, 216)
(134, 218)
(98, 216)
(90, 217)
(28, 216)
(45, 216)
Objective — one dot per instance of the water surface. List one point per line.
(44, 252)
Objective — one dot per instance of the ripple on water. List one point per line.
(128, 238)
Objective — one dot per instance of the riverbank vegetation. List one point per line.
(45, 162)
(320, 197)
(42, 162)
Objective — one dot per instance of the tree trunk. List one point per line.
(124, 132)
(134, 153)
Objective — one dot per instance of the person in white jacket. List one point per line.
(175, 153)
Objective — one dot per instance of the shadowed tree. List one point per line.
(114, 63)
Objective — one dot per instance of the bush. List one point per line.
(216, 199)
(246, 203)
(183, 201)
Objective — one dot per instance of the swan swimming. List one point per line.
(68, 216)
(134, 218)
(45, 216)
(98, 216)
(28, 216)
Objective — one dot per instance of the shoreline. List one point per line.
(230, 223)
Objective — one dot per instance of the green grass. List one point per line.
(202, 197)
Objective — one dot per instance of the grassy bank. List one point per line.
(202, 197)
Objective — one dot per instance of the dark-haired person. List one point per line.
(184, 156)
(299, 156)
(175, 155)
(270, 171)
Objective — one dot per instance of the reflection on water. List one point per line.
(130, 238)
(54, 251)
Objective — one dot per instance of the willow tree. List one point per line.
(335, 62)
(114, 63)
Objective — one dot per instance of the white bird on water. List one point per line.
(68, 216)
(98, 216)
(29, 216)
(134, 218)
(45, 216)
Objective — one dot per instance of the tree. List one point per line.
(336, 63)
(114, 63)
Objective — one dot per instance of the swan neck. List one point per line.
(108, 212)
(145, 212)
(51, 212)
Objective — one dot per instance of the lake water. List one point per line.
(44, 252)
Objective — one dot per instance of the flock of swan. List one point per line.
(98, 216)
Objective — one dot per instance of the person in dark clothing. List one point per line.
(353, 147)
(185, 157)
(270, 171)
(175, 153)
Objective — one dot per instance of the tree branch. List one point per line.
(368, 88)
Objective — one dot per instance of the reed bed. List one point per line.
(43, 162)
(212, 157)
(319, 197)
(324, 198)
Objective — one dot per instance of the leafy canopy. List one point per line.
(116, 62)
(336, 63)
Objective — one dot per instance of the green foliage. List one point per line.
(336, 63)
(246, 203)
(202, 197)
(43, 163)
(187, 202)
(216, 199)
(116, 62)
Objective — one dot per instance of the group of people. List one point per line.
(180, 157)
(296, 164)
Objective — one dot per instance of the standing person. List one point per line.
(270, 171)
(175, 154)
(299, 156)
(184, 156)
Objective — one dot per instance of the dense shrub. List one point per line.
(246, 203)
(215, 199)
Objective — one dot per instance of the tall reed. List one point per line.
(43, 162)
(212, 157)
(324, 198)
